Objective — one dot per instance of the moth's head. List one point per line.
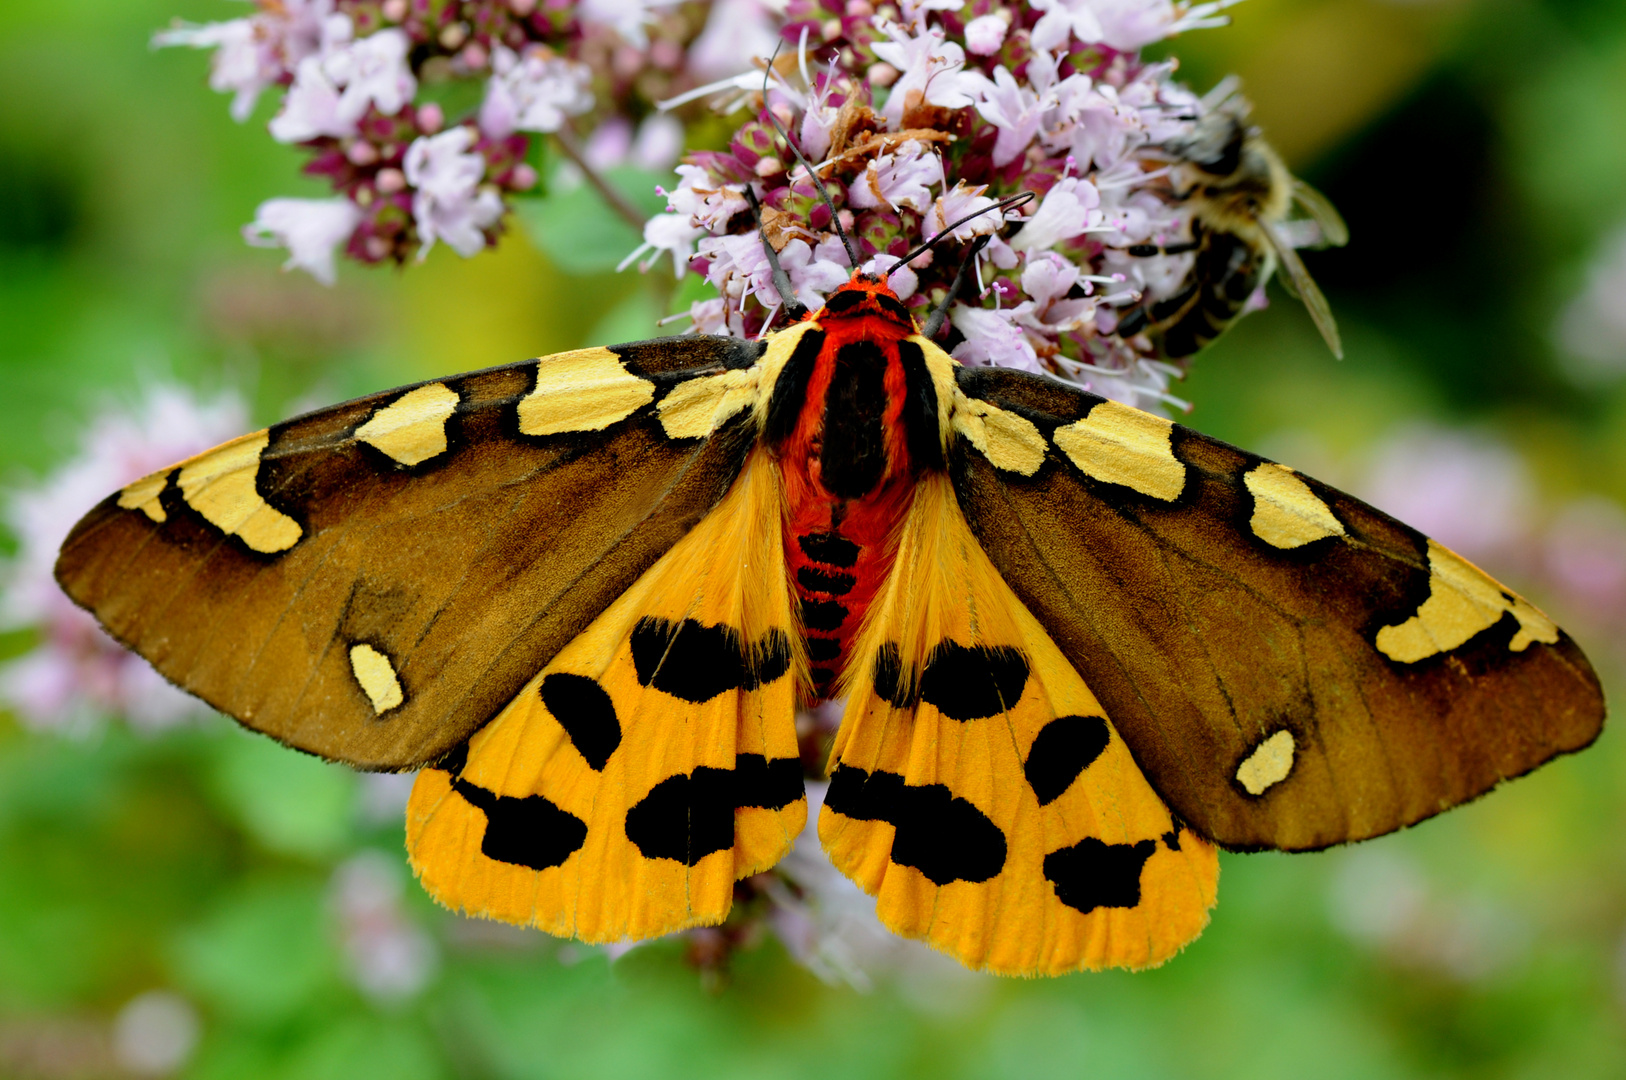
(867, 295)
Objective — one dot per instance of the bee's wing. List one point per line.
(1334, 233)
(1302, 285)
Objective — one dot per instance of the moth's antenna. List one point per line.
(934, 322)
(788, 303)
(835, 219)
(1004, 204)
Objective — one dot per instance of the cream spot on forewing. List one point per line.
(143, 495)
(1119, 445)
(413, 429)
(1269, 763)
(1008, 441)
(585, 390)
(1286, 513)
(376, 675)
(220, 486)
(696, 408)
(1462, 601)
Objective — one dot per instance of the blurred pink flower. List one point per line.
(311, 107)
(826, 922)
(1013, 109)
(1380, 899)
(992, 336)
(1470, 491)
(256, 52)
(533, 93)
(373, 72)
(985, 34)
(155, 1033)
(736, 30)
(1584, 554)
(450, 203)
(955, 205)
(666, 234)
(77, 676)
(387, 955)
(1068, 210)
(311, 230)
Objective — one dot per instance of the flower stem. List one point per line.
(618, 202)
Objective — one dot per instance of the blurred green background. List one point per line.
(1478, 148)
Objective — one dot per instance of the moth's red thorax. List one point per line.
(849, 472)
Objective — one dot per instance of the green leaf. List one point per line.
(291, 803)
(262, 954)
(582, 233)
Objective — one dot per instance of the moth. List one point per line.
(1082, 647)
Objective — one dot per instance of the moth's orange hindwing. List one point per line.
(651, 763)
(979, 790)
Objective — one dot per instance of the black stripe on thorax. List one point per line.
(920, 409)
(790, 389)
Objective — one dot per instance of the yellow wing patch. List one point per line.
(1120, 445)
(413, 429)
(980, 792)
(585, 390)
(1008, 441)
(143, 495)
(1286, 513)
(696, 408)
(1462, 601)
(221, 485)
(651, 764)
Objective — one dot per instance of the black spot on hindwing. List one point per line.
(1063, 748)
(938, 833)
(696, 662)
(892, 683)
(973, 682)
(587, 714)
(689, 816)
(1092, 874)
(531, 831)
(684, 817)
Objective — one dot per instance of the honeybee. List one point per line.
(1242, 199)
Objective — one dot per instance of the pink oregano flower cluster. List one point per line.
(362, 85)
(914, 114)
(918, 115)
